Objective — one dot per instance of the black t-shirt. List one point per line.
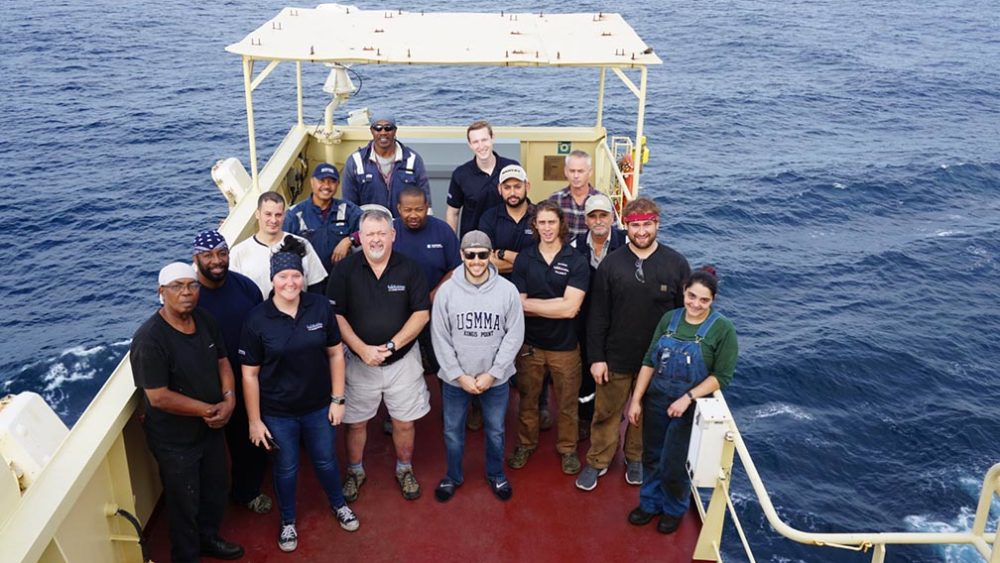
(229, 306)
(376, 308)
(624, 311)
(162, 356)
(540, 280)
(294, 376)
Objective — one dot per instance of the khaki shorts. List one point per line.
(400, 384)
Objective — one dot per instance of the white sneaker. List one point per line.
(347, 519)
(288, 539)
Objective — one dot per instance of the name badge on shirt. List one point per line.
(561, 268)
(395, 287)
(435, 245)
(314, 326)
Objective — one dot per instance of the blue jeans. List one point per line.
(666, 487)
(315, 430)
(455, 403)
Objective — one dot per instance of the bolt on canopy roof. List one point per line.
(335, 33)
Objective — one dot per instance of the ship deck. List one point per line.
(548, 518)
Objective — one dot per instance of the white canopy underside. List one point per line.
(333, 33)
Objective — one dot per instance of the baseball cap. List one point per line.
(476, 239)
(324, 170)
(597, 202)
(512, 171)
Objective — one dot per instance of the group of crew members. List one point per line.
(336, 307)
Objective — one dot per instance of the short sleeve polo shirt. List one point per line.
(540, 280)
(505, 232)
(291, 352)
(475, 191)
(434, 246)
(376, 308)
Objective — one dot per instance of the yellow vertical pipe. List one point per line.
(600, 97)
(298, 86)
(640, 122)
(247, 81)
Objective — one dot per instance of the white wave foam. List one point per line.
(948, 233)
(778, 409)
(961, 523)
(839, 186)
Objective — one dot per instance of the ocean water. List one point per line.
(838, 162)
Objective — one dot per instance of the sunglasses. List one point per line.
(481, 255)
(383, 127)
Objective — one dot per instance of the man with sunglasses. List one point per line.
(478, 328)
(379, 171)
(178, 359)
(633, 287)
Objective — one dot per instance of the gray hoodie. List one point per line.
(477, 329)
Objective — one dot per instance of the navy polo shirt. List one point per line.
(507, 233)
(475, 191)
(230, 305)
(538, 279)
(434, 246)
(376, 308)
(294, 374)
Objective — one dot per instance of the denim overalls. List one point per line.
(680, 367)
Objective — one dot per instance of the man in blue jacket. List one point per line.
(325, 221)
(382, 169)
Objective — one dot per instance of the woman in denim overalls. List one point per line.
(692, 354)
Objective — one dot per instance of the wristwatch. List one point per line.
(501, 252)
(390, 346)
(338, 399)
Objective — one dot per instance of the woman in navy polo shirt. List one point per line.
(292, 361)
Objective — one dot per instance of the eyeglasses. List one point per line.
(383, 127)
(481, 255)
(179, 287)
(640, 276)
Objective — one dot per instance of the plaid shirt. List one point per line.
(576, 219)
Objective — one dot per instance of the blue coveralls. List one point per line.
(666, 487)
(363, 183)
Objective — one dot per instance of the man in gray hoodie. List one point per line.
(477, 326)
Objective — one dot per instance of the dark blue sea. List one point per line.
(839, 163)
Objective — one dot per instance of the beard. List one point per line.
(209, 275)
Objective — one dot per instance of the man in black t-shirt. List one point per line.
(229, 297)
(178, 359)
(633, 287)
(382, 303)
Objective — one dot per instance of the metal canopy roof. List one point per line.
(334, 33)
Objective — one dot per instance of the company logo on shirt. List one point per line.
(394, 287)
(435, 245)
(314, 326)
(528, 231)
(561, 268)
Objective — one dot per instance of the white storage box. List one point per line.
(708, 434)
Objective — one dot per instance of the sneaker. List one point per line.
(445, 490)
(261, 504)
(587, 480)
(352, 485)
(288, 539)
(633, 472)
(501, 488)
(408, 484)
(347, 519)
(544, 420)
(570, 463)
(474, 422)
(639, 517)
(519, 458)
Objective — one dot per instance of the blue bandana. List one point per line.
(282, 261)
(207, 241)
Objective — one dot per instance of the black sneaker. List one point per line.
(501, 488)
(445, 490)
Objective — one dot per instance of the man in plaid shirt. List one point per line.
(573, 198)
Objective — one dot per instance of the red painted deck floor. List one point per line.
(547, 520)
